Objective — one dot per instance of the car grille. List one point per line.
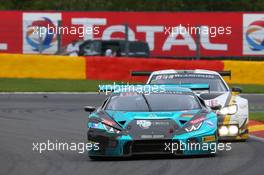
(149, 146)
(152, 129)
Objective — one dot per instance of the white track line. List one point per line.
(257, 138)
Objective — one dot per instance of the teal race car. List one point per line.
(158, 119)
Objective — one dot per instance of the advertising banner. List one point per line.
(168, 34)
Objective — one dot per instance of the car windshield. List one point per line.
(214, 81)
(153, 102)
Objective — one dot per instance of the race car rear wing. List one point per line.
(141, 73)
(148, 73)
(226, 73)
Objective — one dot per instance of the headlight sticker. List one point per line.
(228, 110)
(209, 123)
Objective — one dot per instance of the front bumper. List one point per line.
(113, 145)
(242, 134)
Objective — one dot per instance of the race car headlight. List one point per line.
(229, 110)
(193, 127)
(231, 130)
(104, 127)
(111, 129)
(223, 131)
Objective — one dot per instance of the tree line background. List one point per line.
(134, 5)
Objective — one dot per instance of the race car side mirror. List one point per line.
(89, 109)
(215, 108)
(236, 89)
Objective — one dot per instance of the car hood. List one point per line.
(123, 118)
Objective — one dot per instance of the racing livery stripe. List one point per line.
(223, 118)
(228, 117)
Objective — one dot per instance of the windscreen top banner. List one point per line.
(172, 34)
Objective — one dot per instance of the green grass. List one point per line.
(258, 116)
(48, 85)
(249, 88)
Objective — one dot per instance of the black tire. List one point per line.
(96, 158)
(213, 155)
(243, 140)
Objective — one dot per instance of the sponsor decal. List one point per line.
(253, 34)
(209, 139)
(161, 123)
(38, 33)
(184, 75)
(144, 124)
(211, 103)
(198, 120)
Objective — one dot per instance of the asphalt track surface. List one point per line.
(25, 119)
(256, 102)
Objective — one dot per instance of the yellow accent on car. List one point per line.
(228, 117)
(209, 138)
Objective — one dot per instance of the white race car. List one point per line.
(232, 109)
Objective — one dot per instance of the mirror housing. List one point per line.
(89, 109)
(215, 108)
(236, 89)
